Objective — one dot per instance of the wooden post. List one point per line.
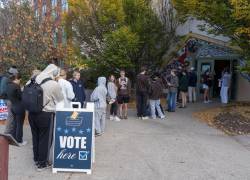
(4, 158)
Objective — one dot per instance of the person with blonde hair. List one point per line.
(78, 88)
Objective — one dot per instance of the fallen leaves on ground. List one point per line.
(233, 119)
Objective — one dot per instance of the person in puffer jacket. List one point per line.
(99, 97)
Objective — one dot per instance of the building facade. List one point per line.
(55, 10)
(214, 53)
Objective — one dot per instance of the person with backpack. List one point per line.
(40, 97)
(192, 83)
(142, 85)
(78, 88)
(123, 94)
(99, 97)
(112, 96)
(183, 86)
(14, 95)
(3, 95)
(67, 89)
(155, 94)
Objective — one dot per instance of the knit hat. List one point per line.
(13, 71)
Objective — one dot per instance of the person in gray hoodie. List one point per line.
(112, 96)
(42, 123)
(99, 97)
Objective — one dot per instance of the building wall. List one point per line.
(243, 89)
(54, 9)
(192, 26)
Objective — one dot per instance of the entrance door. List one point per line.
(203, 66)
(219, 66)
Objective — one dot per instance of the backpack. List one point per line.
(33, 96)
(4, 80)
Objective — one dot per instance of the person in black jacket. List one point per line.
(142, 84)
(14, 94)
(78, 88)
(183, 86)
(192, 83)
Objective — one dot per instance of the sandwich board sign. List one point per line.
(3, 110)
(73, 149)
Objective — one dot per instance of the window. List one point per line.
(54, 4)
(44, 10)
(65, 5)
(36, 13)
(64, 37)
(54, 14)
(35, 4)
(55, 37)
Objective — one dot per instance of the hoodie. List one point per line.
(52, 93)
(112, 90)
(155, 89)
(99, 95)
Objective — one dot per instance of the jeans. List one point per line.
(100, 118)
(155, 105)
(192, 94)
(41, 128)
(18, 127)
(224, 94)
(113, 109)
(172, 101)
(141, 104)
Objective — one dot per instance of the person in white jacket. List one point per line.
(67, 89)
(225, 85)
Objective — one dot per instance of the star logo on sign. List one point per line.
(73, 129)
(81, 132)
(59, 129)
(88, 130)
(66, 131)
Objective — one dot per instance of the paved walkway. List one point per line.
(178, 148)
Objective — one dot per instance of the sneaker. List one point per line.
(36, 163)
(117, 118)
(112, 118)
(145, 118)
(205, 102)
(162, 117)
(153, 118)
(23, 143)
(42, 167)
(125, 117)
(98, 134)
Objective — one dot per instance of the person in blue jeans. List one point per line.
(155, 93)
(173, 88)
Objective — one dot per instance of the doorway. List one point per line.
(219, 66)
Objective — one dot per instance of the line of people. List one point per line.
(56, 91)
(114, 93)
(150, 89)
